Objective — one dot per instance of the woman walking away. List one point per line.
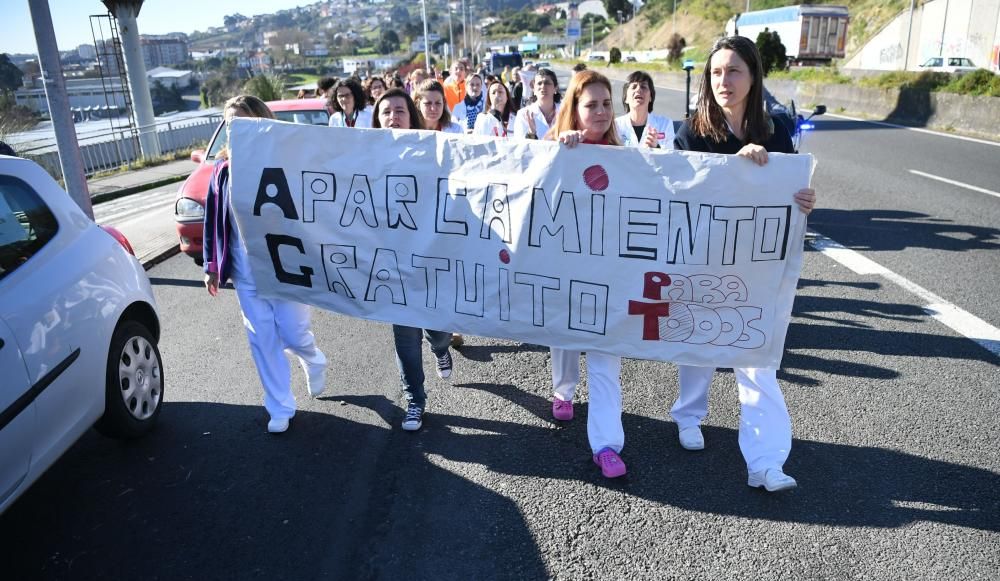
(273, 326)
(639, 125)
(432, 110)
(533, 121)
(588, 117)
(349, 105)
(395, 110)
(731, 119)
(496, 120)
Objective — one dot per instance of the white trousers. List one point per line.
(604, 418)
(765, 435)
(272, 326)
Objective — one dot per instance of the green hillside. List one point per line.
(700, 21)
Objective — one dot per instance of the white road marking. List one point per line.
(959, 320)
(917, 129)
(955, 183)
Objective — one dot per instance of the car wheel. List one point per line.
(134, 385)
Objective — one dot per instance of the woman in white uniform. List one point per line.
(468, 109)
(496, 120)
(588, 118)
(533, 121)
(348, 102)
(639, 125)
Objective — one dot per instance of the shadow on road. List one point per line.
(840, 485)
(887, 230)
(210, 495)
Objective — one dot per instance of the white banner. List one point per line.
(674, 256)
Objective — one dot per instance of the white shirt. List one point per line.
(520, 127)
(487, 124)
(364, 119)
(453, 128)
(663, 126)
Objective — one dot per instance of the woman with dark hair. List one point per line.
(496, 120)
(395, 110)
(731, 119)
(433, 109)
(273, 326)
(374, 87)
(349, 105)
(533, 121)
(639, 125)
(588, 117)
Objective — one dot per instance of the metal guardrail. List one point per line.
(109, 150)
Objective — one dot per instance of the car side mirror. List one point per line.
(198, 155)
(819, 110)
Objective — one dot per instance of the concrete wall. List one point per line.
(964, 28)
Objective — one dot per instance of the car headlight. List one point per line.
(188, 208)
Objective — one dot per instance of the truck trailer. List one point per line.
(812, 34)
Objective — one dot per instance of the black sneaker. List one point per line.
(414, 418)
(444, 365)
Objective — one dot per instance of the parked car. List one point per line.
(630, 59)
(596, 58)
(189, 207)
(78, 329)
(949, 64)
(543, 65)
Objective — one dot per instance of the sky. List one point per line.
(71, 18)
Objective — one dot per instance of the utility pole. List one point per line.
(465, 30)
(909, 31)
(427, 50)
(70, 160)
(451, 41)
(674, 17)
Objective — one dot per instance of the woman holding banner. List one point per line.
(731, 119)
(430, 102)
(395, 110)
(273, 326)
(588, 117)
(349, 105)
(533, 121)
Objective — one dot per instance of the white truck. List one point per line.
(812, 34)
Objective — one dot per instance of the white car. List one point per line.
(951, 64)
(78, 329)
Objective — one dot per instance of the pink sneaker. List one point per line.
(562, 410)
(610, 462)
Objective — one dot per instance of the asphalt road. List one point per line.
(895, 419)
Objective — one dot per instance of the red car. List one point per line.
(189, 209)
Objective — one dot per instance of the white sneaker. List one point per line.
(277, 425)
(691, 438)
(772, 479)
(315, 378)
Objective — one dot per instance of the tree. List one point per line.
(388, 42)
(615, 55)
(10, 75)
(675, 47)
(772, 51)
(615, 6)
(265, 87)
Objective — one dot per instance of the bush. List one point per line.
(772, 52)
(978, 82)
(265, 87)
(675, 47)
(615, 56)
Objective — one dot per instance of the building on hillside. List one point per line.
(169, 77)
(257, 61)
(161, 51)
(85, 95)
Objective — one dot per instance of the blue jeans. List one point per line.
(409, 359)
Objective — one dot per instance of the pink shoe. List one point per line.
(610, 462)
(562, 410)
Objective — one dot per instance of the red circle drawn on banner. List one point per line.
(596, 178)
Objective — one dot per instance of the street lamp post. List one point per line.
(673, 16)
(465, 30)
(451, 41)
(427, 45)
